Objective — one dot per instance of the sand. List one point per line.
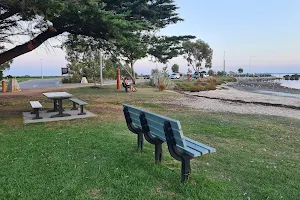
(236, 98)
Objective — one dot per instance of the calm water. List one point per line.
(282, 94)
(290, 84)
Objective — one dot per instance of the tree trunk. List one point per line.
(133, 74)
(28, 46)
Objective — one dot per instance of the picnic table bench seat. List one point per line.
(158, 129)
(80, 103)
(36, 105)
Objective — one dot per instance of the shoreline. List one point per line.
(235, 98)
(269, 86)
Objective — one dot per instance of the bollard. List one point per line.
(118, 79)
(189, 77)
(3, 86)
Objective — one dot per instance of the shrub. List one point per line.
(73, 79)
(161, 86)
(160, 77)
(210, 87)
(197, 88)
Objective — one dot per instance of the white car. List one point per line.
(174, 76)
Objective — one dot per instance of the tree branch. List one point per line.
(28, 46)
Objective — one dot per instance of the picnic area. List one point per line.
(98, 158)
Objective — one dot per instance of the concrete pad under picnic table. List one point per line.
(27, 116)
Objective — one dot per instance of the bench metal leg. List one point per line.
(37, 113)
(74, 106)
(158, 153)
(185, 169)
(140, 141)
(81, 111)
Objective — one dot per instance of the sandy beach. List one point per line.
(242, 99)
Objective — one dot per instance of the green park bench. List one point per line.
(158, 129)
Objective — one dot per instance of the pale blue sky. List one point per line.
(268, 30)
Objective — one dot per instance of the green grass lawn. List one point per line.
(258, 157)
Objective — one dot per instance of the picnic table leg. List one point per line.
(60, 110)
(55, 105)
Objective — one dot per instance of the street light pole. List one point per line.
(224, 63)
(101, 82)
(250, 62)
(42, 68)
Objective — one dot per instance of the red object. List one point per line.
(118, 79)
(189, 77)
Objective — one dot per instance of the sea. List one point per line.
(295, 84)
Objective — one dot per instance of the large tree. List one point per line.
(104, 20)
(198, 53)
(175, 68)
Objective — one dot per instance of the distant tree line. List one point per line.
(291, 77)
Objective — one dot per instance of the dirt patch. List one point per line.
(94, 193)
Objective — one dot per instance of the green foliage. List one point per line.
(106, 24)
(294, 77)
(221, 73)
(1, 75)
(164, 48)
(211, 72)
(286, 77)
(175, 68)
(6, 65)
(159, 77)
(240, 70)
(196, 53)
(203, 84)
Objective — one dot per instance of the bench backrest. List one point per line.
(156, 124)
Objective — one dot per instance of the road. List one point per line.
(54, 83)
(51, 83)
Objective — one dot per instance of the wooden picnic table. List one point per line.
(57, 98)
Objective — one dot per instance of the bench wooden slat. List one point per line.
(155, 117)
(200, 149)
(78, 101)
(190, 151)
(156, 129)
(210, 149)
(36, 104)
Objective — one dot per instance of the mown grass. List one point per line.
(257, 156)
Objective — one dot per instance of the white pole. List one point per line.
(42, 68)
(250, 62)
(101, 82)
(224, 63)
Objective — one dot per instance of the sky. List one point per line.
(268, 31)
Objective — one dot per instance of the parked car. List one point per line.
(202, 75)
(174, 76)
